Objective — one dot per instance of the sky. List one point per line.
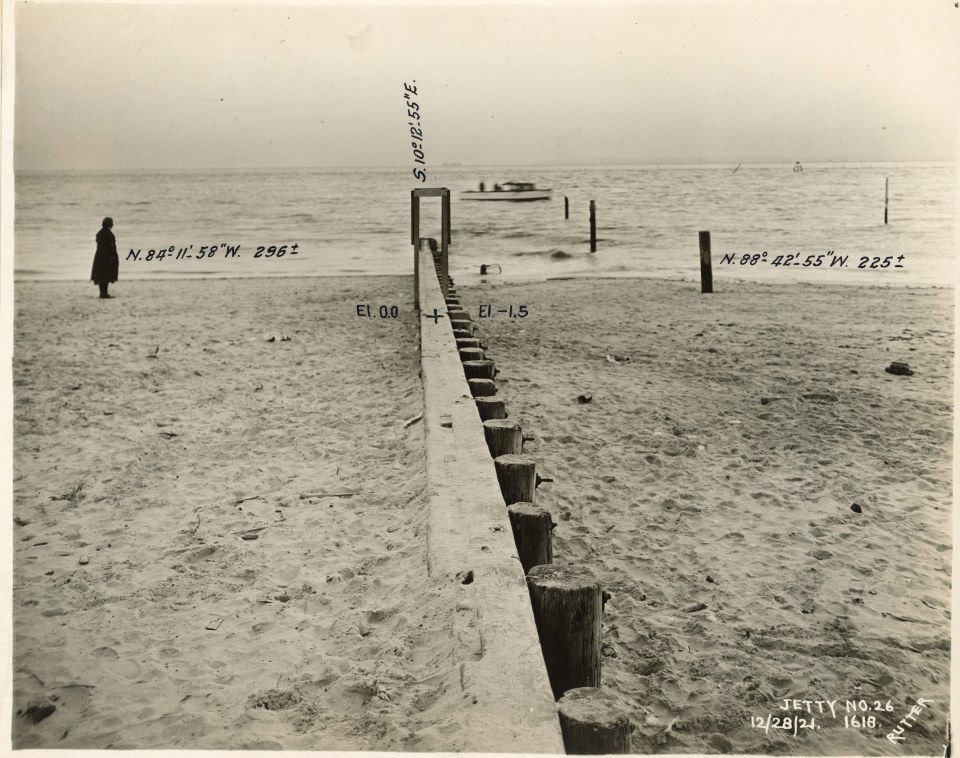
(136, 85)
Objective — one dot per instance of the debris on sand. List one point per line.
(274, 700)
(37, 712)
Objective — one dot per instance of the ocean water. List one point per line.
(357, 221)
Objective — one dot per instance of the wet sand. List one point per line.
(770, 509)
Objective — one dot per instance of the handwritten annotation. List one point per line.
(206, 252)
(364, 310)
(487, 311)
(416, 130)
(857, 714)
(828, 259)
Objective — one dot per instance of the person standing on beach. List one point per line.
(106, 262)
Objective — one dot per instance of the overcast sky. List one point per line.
(261, 85)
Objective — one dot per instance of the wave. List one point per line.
(554, 254)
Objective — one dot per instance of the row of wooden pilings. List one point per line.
(567, 601)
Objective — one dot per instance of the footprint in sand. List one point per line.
(199, 554)
(781, 685)
(125, 667)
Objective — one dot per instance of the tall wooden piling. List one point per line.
(532, 533)
(593, 227)
(886, 199)
(566, 207)
(593, 723)
(503, 437)
(567, 607)
(706, 265)
(445, 280)
(489, 408)
(517, 475)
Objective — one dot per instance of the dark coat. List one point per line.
(106, 262)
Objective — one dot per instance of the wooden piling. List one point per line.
(886, 199)
(706, 265)
(470, 354)
(517, 475)
(463, 325)
(456, 314)
(593, 227)
(467, 342)
(462, 333)
(567, 608)
(489, 408)
(479, 369)
(482, 387)
(566, 207)
(503, 437)
(594, 723)
(532, 534)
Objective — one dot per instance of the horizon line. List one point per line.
(457, 165)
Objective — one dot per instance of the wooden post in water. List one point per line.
(593, 723)
(503, 437)
(593, 227)
(886, 199)
(566, 207)
(567, 607)
(489, 408)
(532, 534)
(706, 266)
(517, 476)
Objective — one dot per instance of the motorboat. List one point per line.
(508, 191)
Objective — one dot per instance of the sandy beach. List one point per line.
(769, 509)
(219, 538)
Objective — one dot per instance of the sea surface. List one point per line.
(357, 221)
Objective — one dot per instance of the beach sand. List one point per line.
(727, 439)
(185, 573)
(710, 484)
